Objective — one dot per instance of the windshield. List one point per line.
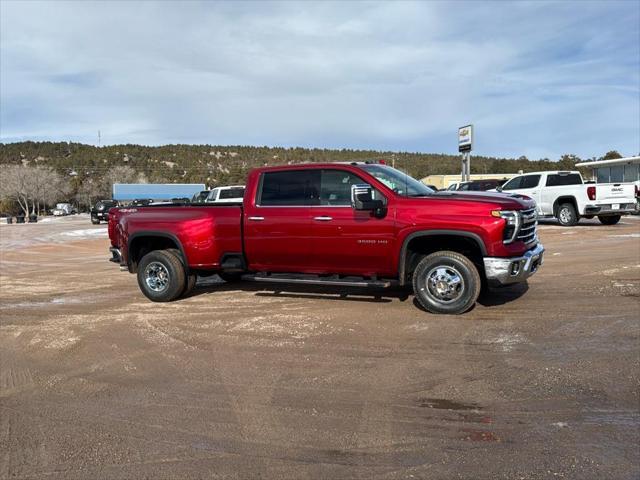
(399, 182)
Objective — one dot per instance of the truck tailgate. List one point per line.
(615, 193)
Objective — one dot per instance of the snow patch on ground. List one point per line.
(86, 233)
(626, 235)
(507, 342)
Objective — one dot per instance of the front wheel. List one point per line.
(446, 282)
(161, 276)
(609, 219)
(567, 216)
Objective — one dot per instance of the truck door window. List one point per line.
(335, 188)
(513, 184)
(290, 188)
(530, 181)
(557, 180)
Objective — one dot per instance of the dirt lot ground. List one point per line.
(252, 382)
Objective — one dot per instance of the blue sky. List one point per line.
(535, 78)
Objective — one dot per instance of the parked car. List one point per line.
(139, 202)
(342, 225)
(200, 197)
(63, 209)
(565, 196)
(100, 211)
(233, 194)
(478, 185)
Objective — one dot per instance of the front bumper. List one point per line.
(505, 271)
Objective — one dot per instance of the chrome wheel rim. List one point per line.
(156, 276)
(565, 216)
(445, 284)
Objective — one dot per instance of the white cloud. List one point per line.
(538, 79)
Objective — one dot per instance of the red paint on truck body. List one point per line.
(290, 239)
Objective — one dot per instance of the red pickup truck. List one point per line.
(346, 225)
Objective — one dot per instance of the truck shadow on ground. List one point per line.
(500, 296)
(213, 285)
(208, 286)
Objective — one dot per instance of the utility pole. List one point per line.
(99, 138)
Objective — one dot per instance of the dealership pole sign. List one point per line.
(465, 144)
(465, 138)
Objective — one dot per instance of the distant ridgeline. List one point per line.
(220, 165)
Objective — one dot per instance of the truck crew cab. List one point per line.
(346, 225)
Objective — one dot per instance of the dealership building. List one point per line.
(616, 170)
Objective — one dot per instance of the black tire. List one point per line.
(95, 221)
(566, 215)
(165, 270)
(609, 219)
(190, 284)
(230, 277)
(439, 270)
(589, 217)
(190, 279)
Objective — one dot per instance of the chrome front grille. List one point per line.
(528, 226)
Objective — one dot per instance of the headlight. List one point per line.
(511, 226)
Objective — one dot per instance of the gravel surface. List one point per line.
(249, 381)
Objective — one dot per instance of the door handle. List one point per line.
(256, 219)
(323, 219)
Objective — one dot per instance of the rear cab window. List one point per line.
(232, 193)
(558, 179)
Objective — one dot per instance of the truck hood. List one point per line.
(506, 201)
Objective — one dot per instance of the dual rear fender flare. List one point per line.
(402, 264)
(156, 234)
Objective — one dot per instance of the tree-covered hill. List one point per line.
(218, 165)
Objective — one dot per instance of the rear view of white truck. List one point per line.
(565, 196)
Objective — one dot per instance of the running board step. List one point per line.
(337, 282)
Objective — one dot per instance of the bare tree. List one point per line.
(16, 185)
(32, 187)
(90, 191)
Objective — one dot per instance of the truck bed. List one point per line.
(204, 232)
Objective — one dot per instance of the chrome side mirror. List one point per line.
(362, 199)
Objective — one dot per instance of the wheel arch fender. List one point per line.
(565, 199)
(152, 237)
(461, 234)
